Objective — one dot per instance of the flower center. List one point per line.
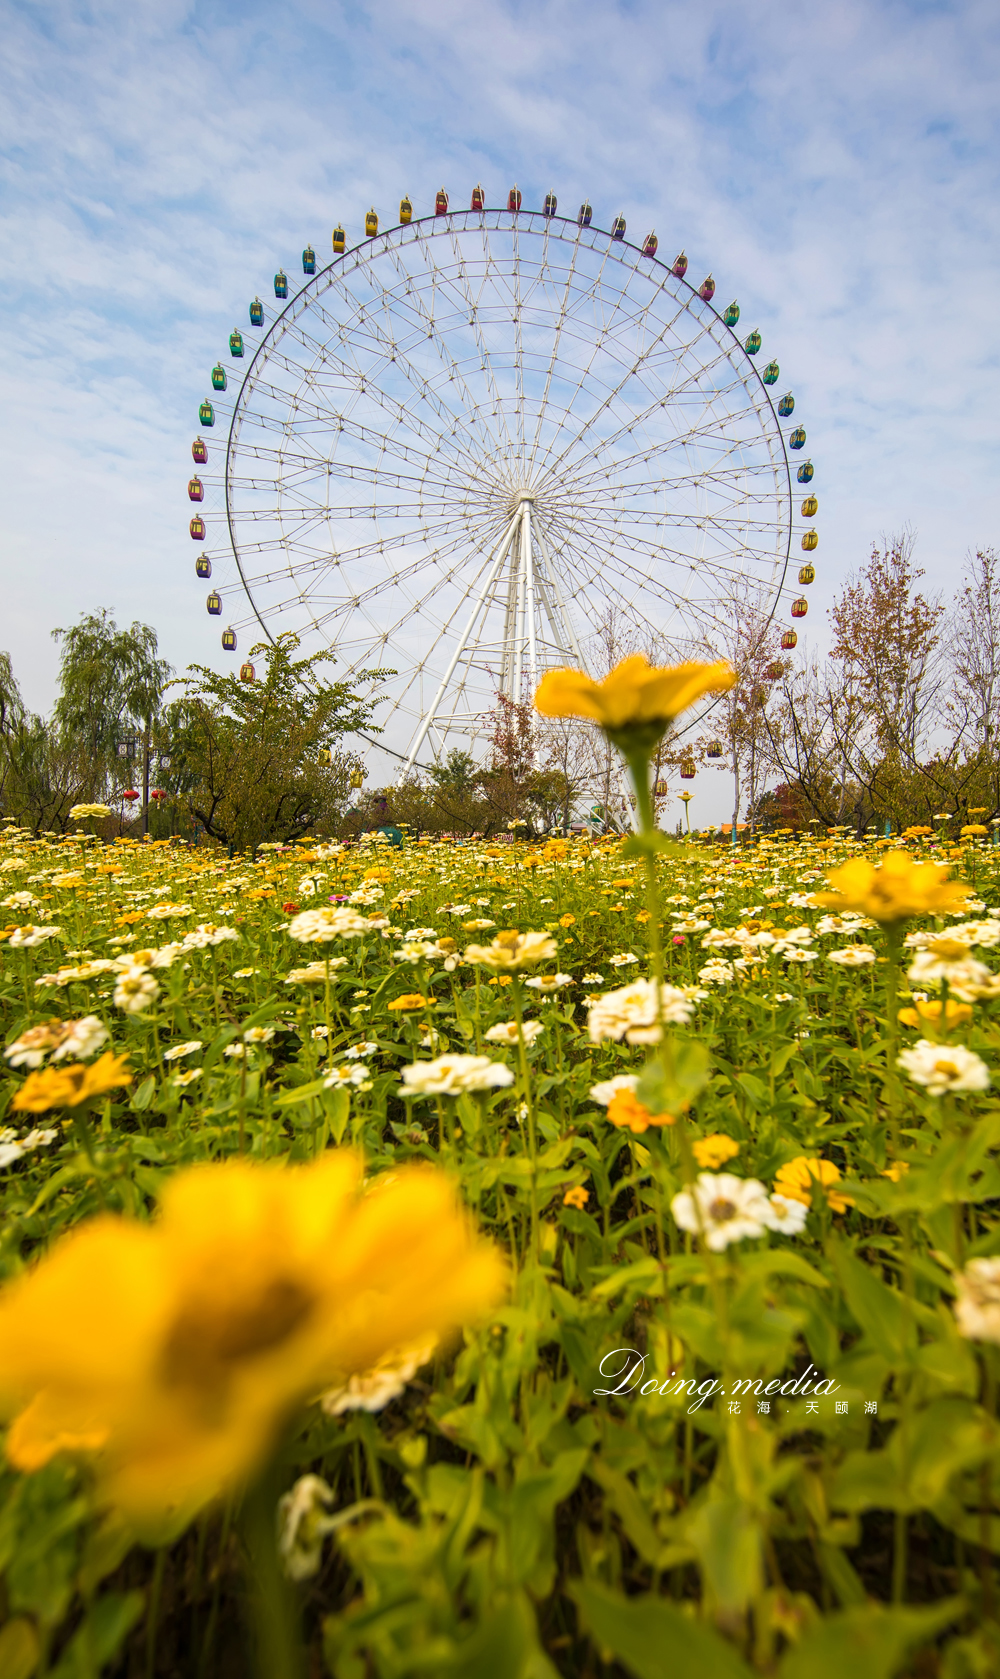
(209, 1338)
(721, 1210)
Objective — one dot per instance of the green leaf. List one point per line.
(652, 1639)
(865, 1643)
(726, 1539)
(105, 1627)
(880, 1310)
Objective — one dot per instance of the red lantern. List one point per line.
(130, 795)
(157, 793)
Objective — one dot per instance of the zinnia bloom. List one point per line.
(627, 1112)
(944, 1067)
(894, 890)
(713, 1152)
(924, 1010)
(450, 1075)
(636, 699)
(513, 950)
(797, 1179)
(723, 1209)
(175, 1351)
(69, 1087)
(634, 1013)
(977, 1307)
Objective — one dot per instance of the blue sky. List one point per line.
(835, 167)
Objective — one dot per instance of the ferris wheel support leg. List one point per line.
(567, 628)
(463, 641)
(529, 573)
(519, 622)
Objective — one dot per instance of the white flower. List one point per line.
(606, 1092)
(236, 1052)
(357, 1052)
(135, 991)
(319, 926)
(320, 1032)
(78, 812)
(593, 979)
(258, 1035)
(944, 1067)
(853, 956)
(338, 1076)
(784, 1215)
(416, 950)
(164, 912)
(26, 938)
(83, 1038)
(479, 926)
(506, 1031)
(796, 955)
(20, 900)
(180, 1050)
(634, 1013)
(977, 1307)
(421, 933)
(717, 972)
(723, 1208)
(187, 1077)
(373, 1390)
(207, 934)
(450, 1075)
(513, 950)
(967, 978)
(302, 1526)
(245, 973)
(549, 982)
(622, 961)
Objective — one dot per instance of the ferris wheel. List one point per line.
(466, 440)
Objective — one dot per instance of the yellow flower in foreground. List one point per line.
(68, 1087)
(713, 1152)
(410, 1001)
(636, 696)
(176, 1351)
(898, 888)
(577, 1197)
(797, 1178)
(923, 1011)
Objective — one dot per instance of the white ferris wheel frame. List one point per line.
(519, 558)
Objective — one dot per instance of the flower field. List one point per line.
(564, 1320)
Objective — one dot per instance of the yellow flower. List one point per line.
(796, 1179)
(972, 830)
(410, 1001)
(177, 1350)
(931, 1011)
(894, 890)
(567, 921)
(628, 1113)
(637, 697)
(713, 1152)
(897, 1170)
(577, 1197)
(68, 1087)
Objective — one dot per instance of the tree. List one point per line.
(264, 760)
(111, 687)
(746, 636)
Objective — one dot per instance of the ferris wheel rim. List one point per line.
(534, 224)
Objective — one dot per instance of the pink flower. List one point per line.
(679, 938)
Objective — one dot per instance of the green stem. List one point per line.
(276, 1643)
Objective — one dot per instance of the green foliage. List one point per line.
(262, 760)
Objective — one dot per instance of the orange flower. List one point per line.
(797, 1178)
(567, 921)
(627, 1112)
(68, 1087)
(577, 1197)
(410, 1001)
